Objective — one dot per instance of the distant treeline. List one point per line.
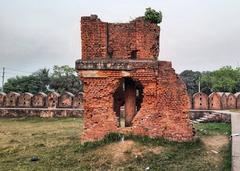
(63, 78)
(225, 79)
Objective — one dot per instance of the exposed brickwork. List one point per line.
(25, 100)
(117, 61)
(12, 99)
(231, 101)
(39, 100)
(200, 101)
(39, 112)
(78, 101)
(223, 100)
(2, 98)
(237, 95)
(52, 99)
(164, 110)
(66, 100)
(190, 106)
(215, 101)
(27, 105)
(139, 39)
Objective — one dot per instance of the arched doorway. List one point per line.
(127, 100)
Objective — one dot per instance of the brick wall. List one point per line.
(200, 101)
(164, 108)
(51, 105)
(138, 38)
(41, 100)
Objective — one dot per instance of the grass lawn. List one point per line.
(55, 142)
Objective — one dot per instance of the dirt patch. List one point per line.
(215, 142)
(121, 151)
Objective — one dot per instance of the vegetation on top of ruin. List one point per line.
(55, 142)
(153, 15)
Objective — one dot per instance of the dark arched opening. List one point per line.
(127, 100)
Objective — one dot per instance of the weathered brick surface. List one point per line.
(39, 100)
(237, 95)
(25, 100)
(66, 100)
(28, 105)
(39, 112)
(200, 101)
(12, 99)
(231, 101)
(223, 100)
(78, 100)
(114, 53)
(215, 101)
(163, 112)
(2, 98)
(52, 99)
(190, 106)
(100, 40)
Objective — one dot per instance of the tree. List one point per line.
(191, 79)
(153, 16)
(23, 84)
(63, 78)
(225, 79)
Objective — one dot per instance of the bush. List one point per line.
(153, 16)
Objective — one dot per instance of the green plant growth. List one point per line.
(153, 16)
(55, 141)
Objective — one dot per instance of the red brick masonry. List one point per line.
(164, 109)
(119, 40)
(117, 55)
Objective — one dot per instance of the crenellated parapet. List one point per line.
(51, 100)
(216, 101)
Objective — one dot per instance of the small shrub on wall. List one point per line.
(153, 16)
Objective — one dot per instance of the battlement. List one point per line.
(138, 39)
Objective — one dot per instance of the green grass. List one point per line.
(213, 129)
(56, 143)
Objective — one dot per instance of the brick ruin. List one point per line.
(215, 101)
(43, 105)
(231, 101)
(237, 95)
(119, 69)
(200, 101)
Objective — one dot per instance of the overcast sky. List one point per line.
(197, 35)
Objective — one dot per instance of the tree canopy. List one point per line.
(63, 78)
(225, 79)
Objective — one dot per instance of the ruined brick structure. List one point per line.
(2, 98)
(78, 100)
(102, 40)
(223, 100)
(119, 67)
(25, 100)
(39, 100)
(200, 101)
(237, 95)
(52, 105)
(231, 101)
(66, 100)
(11, 99)
(52, 99)
(215, 102)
